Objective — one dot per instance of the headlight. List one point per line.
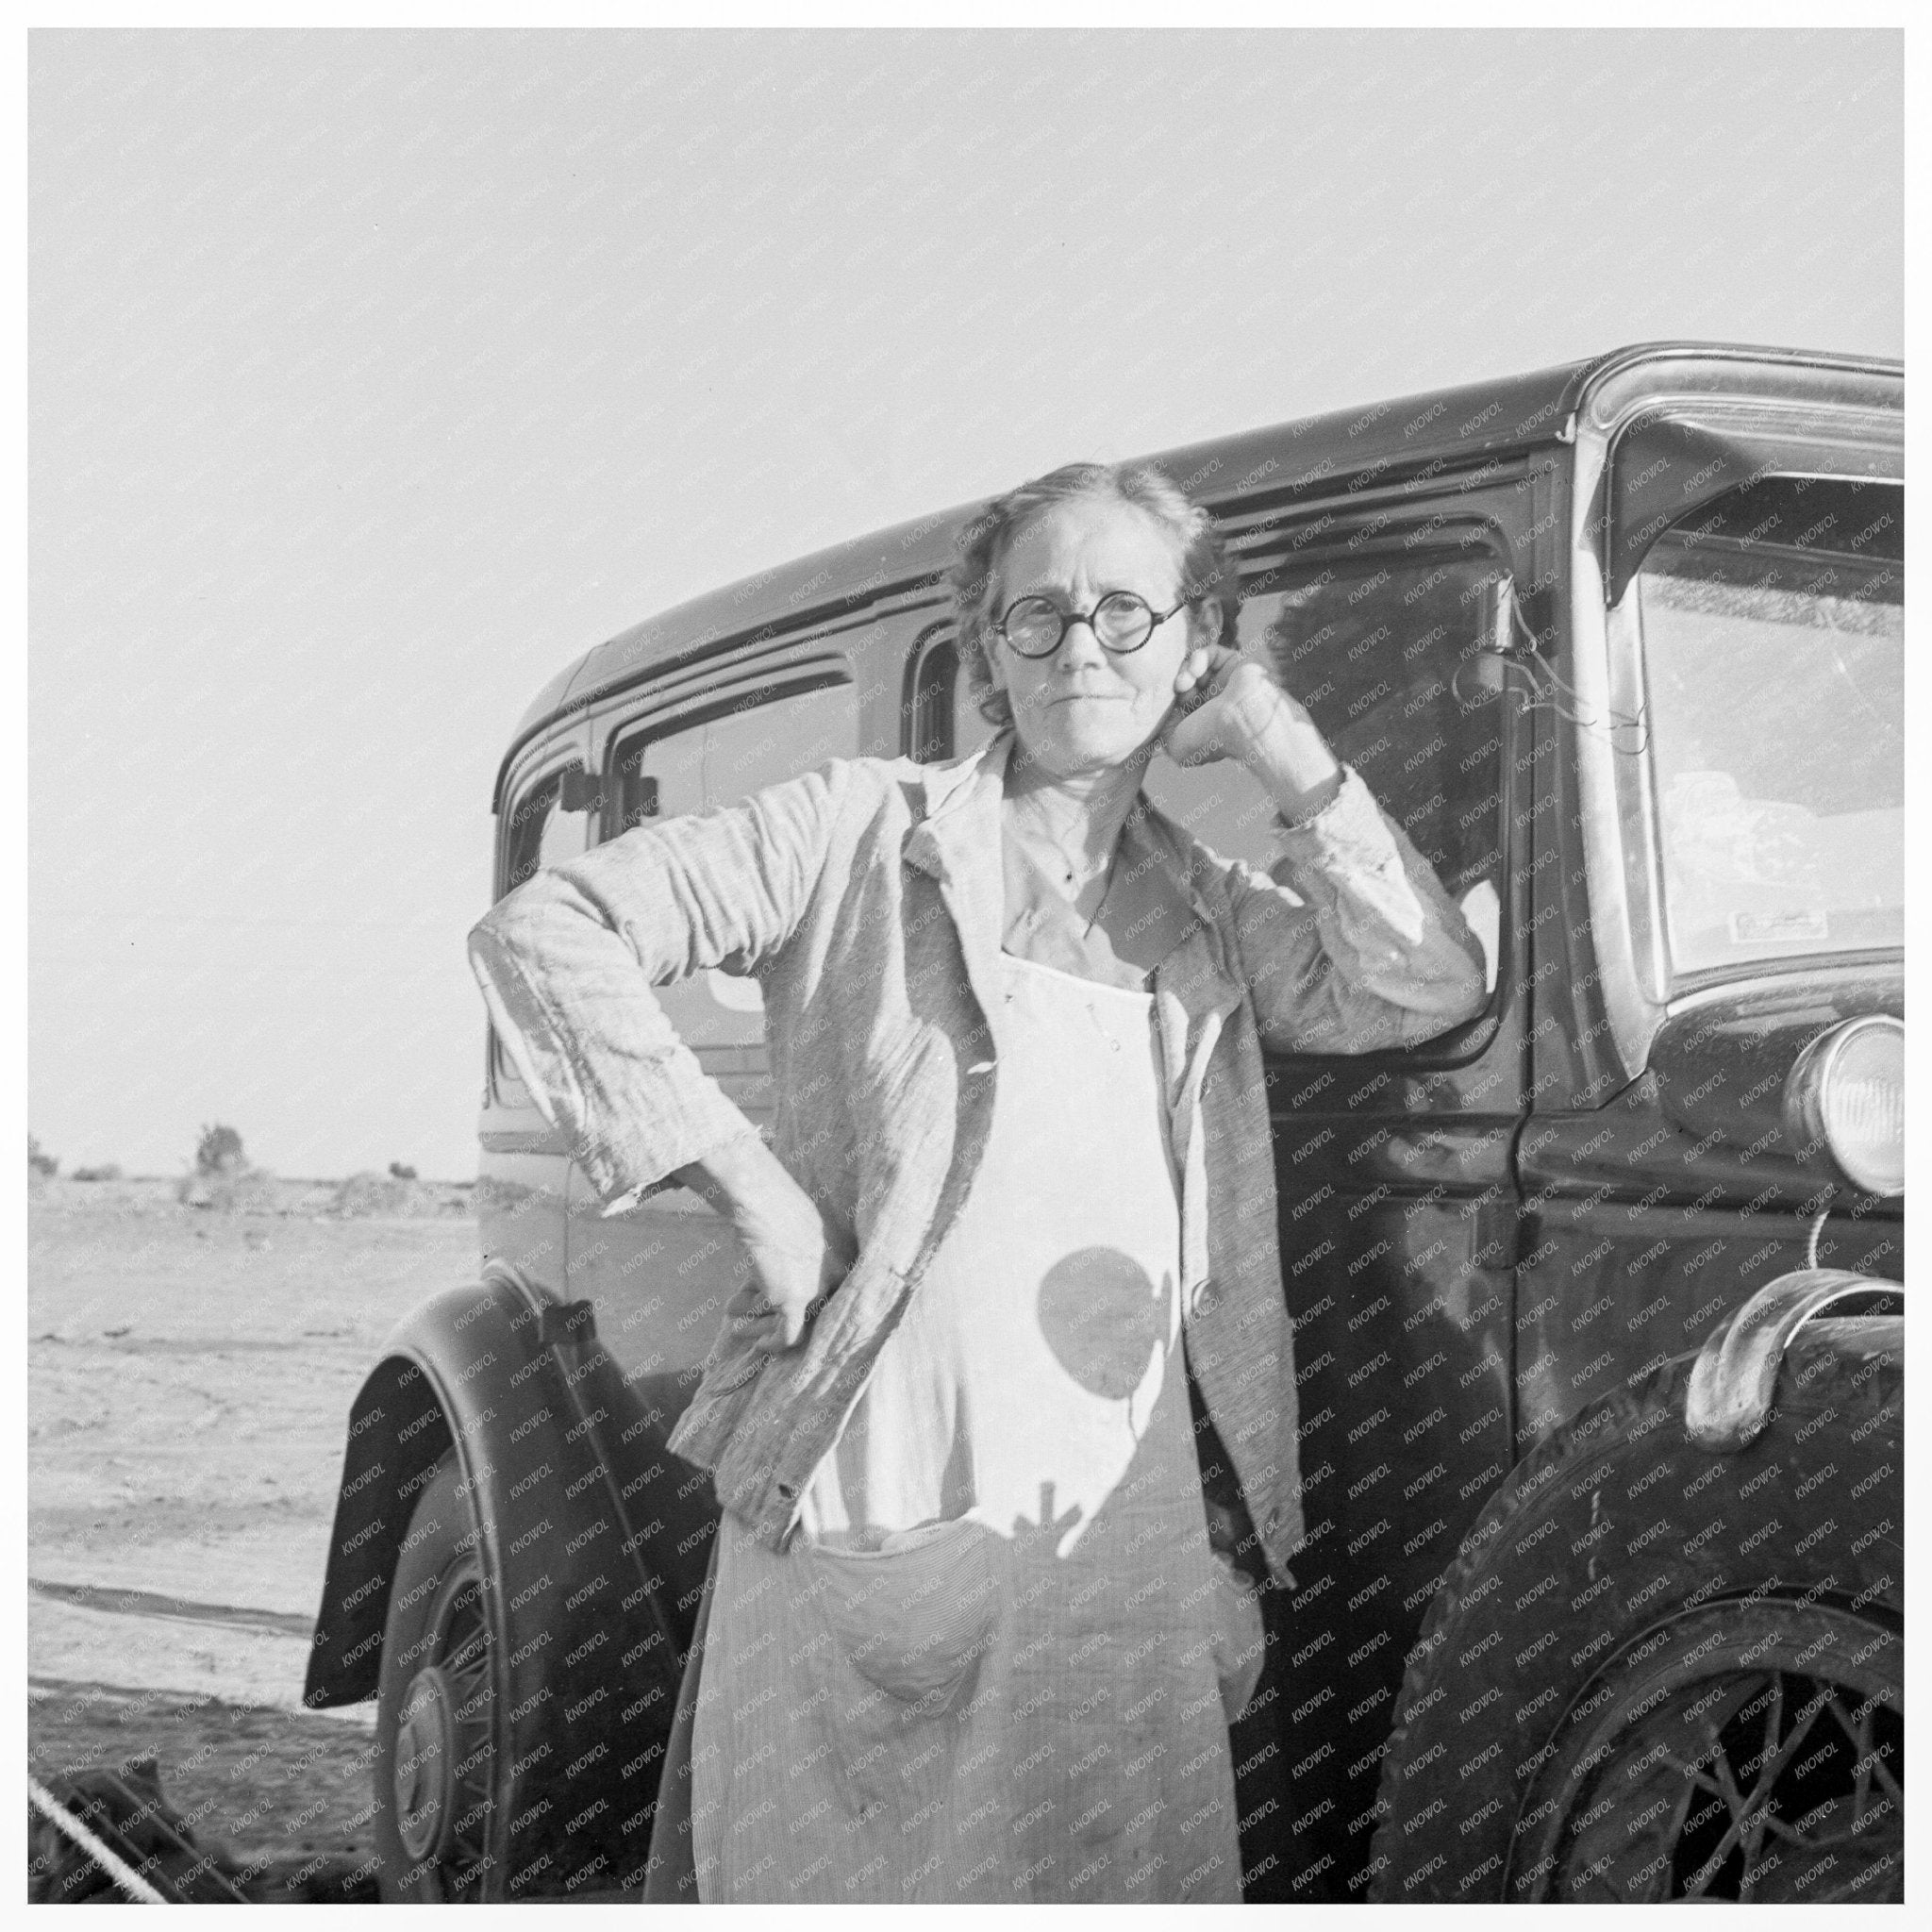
(1847, 1094)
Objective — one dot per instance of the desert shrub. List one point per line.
(45, 1165)
(240, 1190)
(109, 1171)
(402, 1172)
(219, 1151)
(372, 1194)
(223, 1178)
(379, 1193)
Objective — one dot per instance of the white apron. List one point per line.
(991, 1662)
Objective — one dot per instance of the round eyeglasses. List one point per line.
(1121, 621)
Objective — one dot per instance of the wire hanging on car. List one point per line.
(1544, 687)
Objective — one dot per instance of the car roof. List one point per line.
(1463, 423)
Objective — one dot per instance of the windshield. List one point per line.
(1773, 653)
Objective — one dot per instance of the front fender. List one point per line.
(587, 1669)
(1728, 1400)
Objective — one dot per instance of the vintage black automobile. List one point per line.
(1603, 1591)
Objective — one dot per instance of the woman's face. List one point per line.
(1085, 707)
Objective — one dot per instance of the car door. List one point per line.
(1395, 1196)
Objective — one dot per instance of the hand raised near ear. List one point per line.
(1225, 706)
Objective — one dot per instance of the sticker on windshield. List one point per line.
(1779, 928)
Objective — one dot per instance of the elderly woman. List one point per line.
(979, 1615)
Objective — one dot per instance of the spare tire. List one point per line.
(1656, 1672)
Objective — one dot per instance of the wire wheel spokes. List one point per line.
(1874, 1781)
(1755, 1754)
(461, 1653)
(1791, 1707)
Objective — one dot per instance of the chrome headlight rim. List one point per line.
(1810, 1091)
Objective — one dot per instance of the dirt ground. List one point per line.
(190, 1375)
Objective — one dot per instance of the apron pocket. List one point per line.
(913, 1617)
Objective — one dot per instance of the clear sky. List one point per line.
(373, 376)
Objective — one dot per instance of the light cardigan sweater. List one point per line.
(867, 897)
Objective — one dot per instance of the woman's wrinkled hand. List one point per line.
(796, 1260)
(1225, 706)
(1228, 706)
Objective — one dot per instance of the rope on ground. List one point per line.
(117, 1868)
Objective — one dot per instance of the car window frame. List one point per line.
(1481, 538)
(547, 766)
(750, 688)
(925, 708)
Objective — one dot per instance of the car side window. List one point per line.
(762, 741)
(540, 833)
(757, 737)
(945, 718)
(1371, 641)
(1375, 645)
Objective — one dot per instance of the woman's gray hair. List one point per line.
(1207, 578)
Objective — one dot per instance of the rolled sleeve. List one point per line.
(566, 964)
(1354, 945)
